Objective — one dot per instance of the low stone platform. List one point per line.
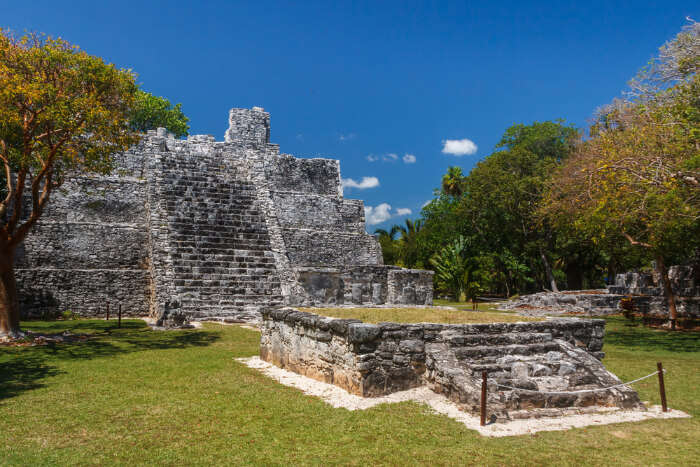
(523, 361)
(339, 398)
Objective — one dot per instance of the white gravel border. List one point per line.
(339, 398)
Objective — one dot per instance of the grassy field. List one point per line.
(134, 396)
(421, 315)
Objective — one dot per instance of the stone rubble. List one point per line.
(643, 289)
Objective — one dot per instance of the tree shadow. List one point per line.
(24, 368)
(23, 374)
(624, 335)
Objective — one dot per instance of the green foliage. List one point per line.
(404, 250)
(60, 108)
(68, 314)
(458, 271)
(151, 112)
(497, 207)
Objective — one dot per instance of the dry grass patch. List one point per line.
(420, 315)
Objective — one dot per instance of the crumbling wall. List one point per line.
(647, 294)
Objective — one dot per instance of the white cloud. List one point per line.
(391, 157)
(378, 214)
(409, 159)
(372, 158)
(459, 147)
(346, 137)
(382, 213)
(366, 182)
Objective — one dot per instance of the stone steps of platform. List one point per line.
(208, 261)
(538, 371)
(240, 302)
(207, 226)
(474, 352)
(467, 340)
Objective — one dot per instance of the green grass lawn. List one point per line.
(422, 315)
(135, 396)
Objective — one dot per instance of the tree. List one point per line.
(637, 179)
(453, 182)
(503, 193)
(408, 247)
(150, 112)
(457, 270)
(61, 110)
(387, 240)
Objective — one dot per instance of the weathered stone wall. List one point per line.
(376, 359)
(647, 295)
(90, 247)
(409, 286)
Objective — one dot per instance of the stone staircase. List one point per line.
(529, 362)
(221, 262)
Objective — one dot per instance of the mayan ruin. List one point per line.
(313, 233)
(209, 230)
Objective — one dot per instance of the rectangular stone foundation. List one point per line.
(377, 359)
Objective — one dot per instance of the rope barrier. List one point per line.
(582, 390)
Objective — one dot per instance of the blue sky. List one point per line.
(372, 82)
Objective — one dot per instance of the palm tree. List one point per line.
(387, 240)
(408, 242)
(453, 182)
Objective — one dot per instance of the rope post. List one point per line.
(662, 387)
(120, 316)
(107, 311)
(483, 398)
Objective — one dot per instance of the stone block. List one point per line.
(363, 332)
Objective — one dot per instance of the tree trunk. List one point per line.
(548, 271)
(9, 305)
(668, 291)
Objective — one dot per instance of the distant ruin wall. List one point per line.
(643, 289)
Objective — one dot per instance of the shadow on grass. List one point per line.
(22, 374)
(23, 368)
(620, 333)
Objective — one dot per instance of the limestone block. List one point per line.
(363, 332)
